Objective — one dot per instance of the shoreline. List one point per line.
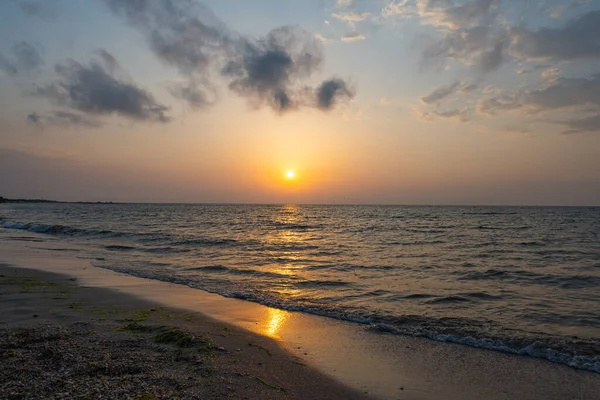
(201, 357)
(384, 365)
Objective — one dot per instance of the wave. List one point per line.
(501, 228)
(572, 351)
(521, 276)
(144, 237)
(218, 242)
(558, 351)
(63, 230)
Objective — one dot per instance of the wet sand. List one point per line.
(59, 339)
(383, 365)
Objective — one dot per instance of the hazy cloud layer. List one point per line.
(580, 96)
(351, 16)
(483, 35)
(92, 89)
(460, 115)
(64, 119)
(24, 57)
(353, 37)
(189, 37)
(589, 124)
(39, 8)
(578, 39)
(440, 93)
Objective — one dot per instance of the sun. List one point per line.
(290, 174)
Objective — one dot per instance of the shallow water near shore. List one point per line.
(516, 279)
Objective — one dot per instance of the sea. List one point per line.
(522, 280)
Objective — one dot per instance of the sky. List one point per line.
(367, 101)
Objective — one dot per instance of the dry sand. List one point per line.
(60, 340)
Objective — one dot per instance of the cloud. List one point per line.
(468, 88)
(351, 16)
(24, 57)
(589, 124)
(92, 89)
(41, 8)
(188, 36)
(577, 39)
(464, 14)
(193, 95)
(330, 91)
(353, 37)
(323, 38)
(440, 93)
(109, 60)
(550, 73)
(443, 13)
(265, 71)
(345, 3)
(34, 118)
(457, 114)
(491, 59)
(559, 93)
(565, 92)
(468, 32)
(499, 102)
(65, 119)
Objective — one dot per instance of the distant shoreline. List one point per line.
(5, 200)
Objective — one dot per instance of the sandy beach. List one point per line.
(231, 348)
(63, 340)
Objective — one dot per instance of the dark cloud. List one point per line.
(24, 57)
(34, 118)
(7, 66)
(182, 33)
(440, 93)
(92, 89)
(577, 39)
(188, 36)
(265, 71)
(565, 92)
(64, 119)
(589, 124)
(330, 91)
(491, 59)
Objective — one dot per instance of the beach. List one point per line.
(63, 340)
(252, 351)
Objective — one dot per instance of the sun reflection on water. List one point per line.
(275, 321)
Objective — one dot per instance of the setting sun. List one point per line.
(290, 174)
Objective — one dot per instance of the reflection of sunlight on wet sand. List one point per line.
(275, 320)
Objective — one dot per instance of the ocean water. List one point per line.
(523, 280)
